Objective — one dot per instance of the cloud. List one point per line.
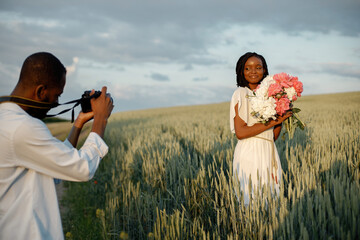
(159, 77)
(9, 76)
(116, 39)
(291, 69)
(342, 69)
(335, 69)
(123, 91)
(200, 79)
(159, 95)
(159, 30)
(188, 67)
(320, 15)
(72, 68)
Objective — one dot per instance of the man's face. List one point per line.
(52, 94)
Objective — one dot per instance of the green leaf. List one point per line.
(296, 110)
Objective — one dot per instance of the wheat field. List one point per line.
(168, 175)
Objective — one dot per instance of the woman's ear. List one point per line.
(40, 93)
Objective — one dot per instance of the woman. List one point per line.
(255, 155)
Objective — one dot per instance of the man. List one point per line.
(30, 157)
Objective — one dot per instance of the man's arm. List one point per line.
(102, 107)
(37, 149)
(77, 127)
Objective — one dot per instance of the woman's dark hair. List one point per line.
(240, 78)
(42, 68)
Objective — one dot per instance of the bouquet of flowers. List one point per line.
(274, 97)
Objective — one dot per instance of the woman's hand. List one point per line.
(278, 125)
(280, 119)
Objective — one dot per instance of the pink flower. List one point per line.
(283, 79)
(298, 87)
(274, 89)
(294, 79)
(282, 105)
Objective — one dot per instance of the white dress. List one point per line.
(254, 157)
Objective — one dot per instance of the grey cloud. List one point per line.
(154, 96)
(133, 44)
(99, 65)
(8, 78)
(356, 52)
(342, 69)
(159, 77)
(200, 79)
(162, 31)
(115, 33)
(187, 67)
(320, 15)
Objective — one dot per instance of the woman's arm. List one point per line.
(242, 130)
(277, 130)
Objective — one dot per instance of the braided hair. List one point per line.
(240, 78)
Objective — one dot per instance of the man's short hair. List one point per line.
(42, 68)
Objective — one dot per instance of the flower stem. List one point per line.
(301, 123)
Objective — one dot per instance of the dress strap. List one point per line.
(273, 163)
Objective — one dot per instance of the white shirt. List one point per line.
(30, 159)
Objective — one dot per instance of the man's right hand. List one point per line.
(102, 108)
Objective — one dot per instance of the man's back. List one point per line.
(26, 211)
(30, 157)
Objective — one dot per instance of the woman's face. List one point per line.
(253, 71)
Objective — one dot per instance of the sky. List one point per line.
(164, 53)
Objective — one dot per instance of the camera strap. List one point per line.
(41, 105)
(77, 102)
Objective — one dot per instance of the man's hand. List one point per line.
(101, 108)
(83, 118)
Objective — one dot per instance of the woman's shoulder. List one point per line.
(240, 91)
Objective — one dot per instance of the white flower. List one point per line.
(263, 107)
(290, 92)
(264, 86)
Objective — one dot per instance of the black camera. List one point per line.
(85, 100)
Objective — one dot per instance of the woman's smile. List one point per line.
(253, 71)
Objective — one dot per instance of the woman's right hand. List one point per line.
(282, 118)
